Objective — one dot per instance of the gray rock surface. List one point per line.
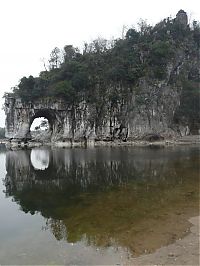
(126, 121)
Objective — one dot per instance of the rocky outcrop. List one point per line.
(182, 18)
(151, 111)
(162, 107)
(126, 121)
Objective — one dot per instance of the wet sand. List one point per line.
(184, 251)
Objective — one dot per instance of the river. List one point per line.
(94, 206)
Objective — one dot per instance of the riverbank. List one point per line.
(186, 140)
(184, 251)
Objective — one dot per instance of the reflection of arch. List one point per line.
(40, 158)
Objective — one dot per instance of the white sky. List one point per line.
(30, 29)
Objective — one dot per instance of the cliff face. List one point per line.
(151, 111)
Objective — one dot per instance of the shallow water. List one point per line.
(94, 206)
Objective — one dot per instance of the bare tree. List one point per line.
(55, 58)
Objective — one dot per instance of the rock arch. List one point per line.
(46, 113)
(83, 123)
(67, 123)
(20, 116)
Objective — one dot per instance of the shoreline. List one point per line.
(184, 251)
(186, 140)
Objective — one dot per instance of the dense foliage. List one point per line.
(105, 70)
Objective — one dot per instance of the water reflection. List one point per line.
(107, 197)
(40, 158)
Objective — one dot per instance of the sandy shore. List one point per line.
(184, 251)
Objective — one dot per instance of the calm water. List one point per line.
(94, 206)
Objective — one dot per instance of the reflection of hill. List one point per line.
(107, 196)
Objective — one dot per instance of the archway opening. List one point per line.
(39, 124)
(40, 129)
(42, 125)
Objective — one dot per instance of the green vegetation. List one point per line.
(105, 68)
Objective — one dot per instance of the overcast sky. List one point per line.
(30, 29)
